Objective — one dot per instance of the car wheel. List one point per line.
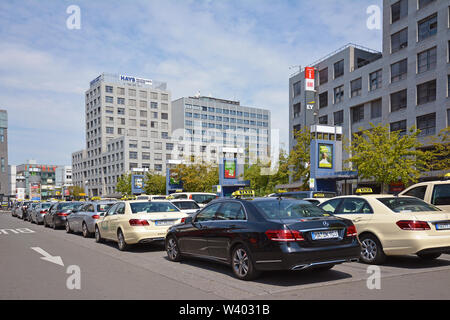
(428, 256)
(54, 225)
(68, 230)
(98, 237)
(45, 223)
(242, 264)
(121, 241)
(371, 250)
(173, 253)
(84, 229)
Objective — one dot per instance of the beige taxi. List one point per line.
(394, 225)
(436, 193)
(132, 222)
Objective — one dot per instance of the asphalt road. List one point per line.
(104, 272)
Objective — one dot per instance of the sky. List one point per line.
(241, 50)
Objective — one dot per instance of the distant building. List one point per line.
(36, 181)
(4, 175)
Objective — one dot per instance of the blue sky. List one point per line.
(231, 49)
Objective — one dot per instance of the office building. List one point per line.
(4, 175)
(206, 126)
(405, 85)
(128, 126)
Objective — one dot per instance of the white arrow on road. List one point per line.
(48, 257)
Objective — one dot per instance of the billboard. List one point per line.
(309, 79)
(325, 159)
(137, 184)
(229, 168)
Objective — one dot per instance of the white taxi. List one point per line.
(132, 222)
(394, 225)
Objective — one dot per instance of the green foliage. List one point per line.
(197, 177)
(154, 183)
(124, 184)
(439, 153)
(75, 190)
(299, 156)
(387, 157)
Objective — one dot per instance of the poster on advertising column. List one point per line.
(229, 169)
(325, 156)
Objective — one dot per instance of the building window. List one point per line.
(109, 89)
(133, 155)
(323, 76)
(426, 92)
(338, 94)
(355, 86)
(427, 124)
(375, 109)
(375, 79)
(323, 120)
(357, 113)
(399, 70)
(120, 111)
(426, 60)
(427, 27)
(297, 109)
(399, 40)
(164, 116)
(297, 88)
(339, 69)
(399, 126)
(423, 3)
(398, 100)
(338, 117)
(109, 130)
(399, 10)
(109, 99)
(323, 99)
(120, 100)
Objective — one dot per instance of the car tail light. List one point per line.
(43, 212)
(284, 235)
(190, 196)
(413, 225)
(138, 222)
(351, 231)
(62, 214)
(95, 216)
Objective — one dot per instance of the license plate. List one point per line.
(164, 222)
(321, 235)
(443, 226)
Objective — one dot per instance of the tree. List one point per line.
(299, 156)
(75, 191)
(124, 184)
(197, 177)
(154, 183)
(387, 157)
(439, 153)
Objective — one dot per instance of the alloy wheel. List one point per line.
(369, 250)
(240, 262)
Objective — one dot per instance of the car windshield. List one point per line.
(103, 207)
(185, 205)
(203, 198)
(289, 209)
(148, 207)
(406, 205)
(45, 205)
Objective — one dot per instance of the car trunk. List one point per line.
(160, 219)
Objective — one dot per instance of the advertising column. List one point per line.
(310, 103)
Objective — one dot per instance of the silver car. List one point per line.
(84, 219)
(187, 206)
(38, 212)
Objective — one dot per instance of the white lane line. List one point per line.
(48, 257)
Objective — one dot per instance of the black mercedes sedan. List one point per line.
(264, 234)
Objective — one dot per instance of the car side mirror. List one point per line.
(188, 220)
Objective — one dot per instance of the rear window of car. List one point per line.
(149, 207)
(441, 195)
(203, 198)
(406, 205)
(104, 207)
(185, 205)
(45, 205)
(289, 209)
(70, 205)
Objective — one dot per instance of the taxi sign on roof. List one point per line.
(319, 195)
(364, 190)
(245, 193)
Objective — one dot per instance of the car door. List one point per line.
(356, 209)
(74, 218)
(193, 238)
(105, 223)
(115, 221)
(230, 219)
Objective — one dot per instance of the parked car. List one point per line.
(17, 206)
(39, 211)
(433, 192)
(132, 222)
(32, 205)
(316, 201)
(202, 198)
(264, 234)
(83, 220)
(187, 206)
(22, 211)
(58, 212)
(394, 225)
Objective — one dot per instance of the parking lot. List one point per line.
(144, 272)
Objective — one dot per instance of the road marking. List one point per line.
(16, 231)
(48, 257)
